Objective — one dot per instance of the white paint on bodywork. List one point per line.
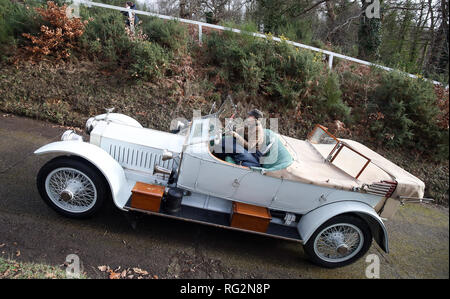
(201, 172)
(111, 170)
(118, 118)
(256, 188)
(139, 136)
(311, 221)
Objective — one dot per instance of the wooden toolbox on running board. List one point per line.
(147, 196)
(250, 217)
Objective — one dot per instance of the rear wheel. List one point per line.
(72, 187)
(339, 242)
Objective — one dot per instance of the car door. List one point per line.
(219, 178)
(255, 188)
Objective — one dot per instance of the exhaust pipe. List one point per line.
(161, 170)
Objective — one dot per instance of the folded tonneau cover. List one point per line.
(310, 166)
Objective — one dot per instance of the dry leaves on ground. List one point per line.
(133, 273)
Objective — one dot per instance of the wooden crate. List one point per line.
(250, 217)
(147, 196)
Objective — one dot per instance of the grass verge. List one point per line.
(11, 269)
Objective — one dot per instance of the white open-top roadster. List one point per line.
(329, 194)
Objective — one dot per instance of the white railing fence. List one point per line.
(200, 25)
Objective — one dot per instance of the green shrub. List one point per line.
(297, 30)
(5, 37)
(150, 61)
(252, 74)
(277, 70)
(169, 34)
(330, 101)
(410, 113)
(105, 37)
(15, 19)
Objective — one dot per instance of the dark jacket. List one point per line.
(136, 19)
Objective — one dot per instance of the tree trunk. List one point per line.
(369, 35)
(184, 14)
(417, 31)
(439, 50)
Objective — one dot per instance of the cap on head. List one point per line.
(255, 113)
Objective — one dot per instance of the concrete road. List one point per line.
(31, 231)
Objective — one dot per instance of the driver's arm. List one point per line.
(240, 139)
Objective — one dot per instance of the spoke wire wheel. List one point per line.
(71, 190)
(338, 242)
(72, 186)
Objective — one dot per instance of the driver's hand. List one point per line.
(229, 132)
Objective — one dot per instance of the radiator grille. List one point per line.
(383, 188)
(136, 157)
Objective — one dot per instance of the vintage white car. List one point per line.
(329, 194)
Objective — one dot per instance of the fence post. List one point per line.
(200, 33)
(131, 20)
(330, 61)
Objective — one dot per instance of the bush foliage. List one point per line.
(105, 38)
(286, 75)
(16, 19)
(145, 55)
(150, 60)
(169, 34)
(410, 114)
(263, 66)
(59, 37)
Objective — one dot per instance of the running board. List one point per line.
(222, 220)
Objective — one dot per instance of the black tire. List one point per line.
(80, 165)
(340, 219)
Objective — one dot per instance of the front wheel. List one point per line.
(71, 186)
(339, 242)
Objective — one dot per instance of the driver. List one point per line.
(244, 144)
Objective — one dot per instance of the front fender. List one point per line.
(110, 168)
(311, 221)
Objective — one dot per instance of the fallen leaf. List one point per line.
(114, 275)
(102, 268)
(124, 274)
(140, 271)
(18, 253)
(50, 275)
(155, 277)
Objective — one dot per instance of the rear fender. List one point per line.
(311, 221)
(110, 168)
